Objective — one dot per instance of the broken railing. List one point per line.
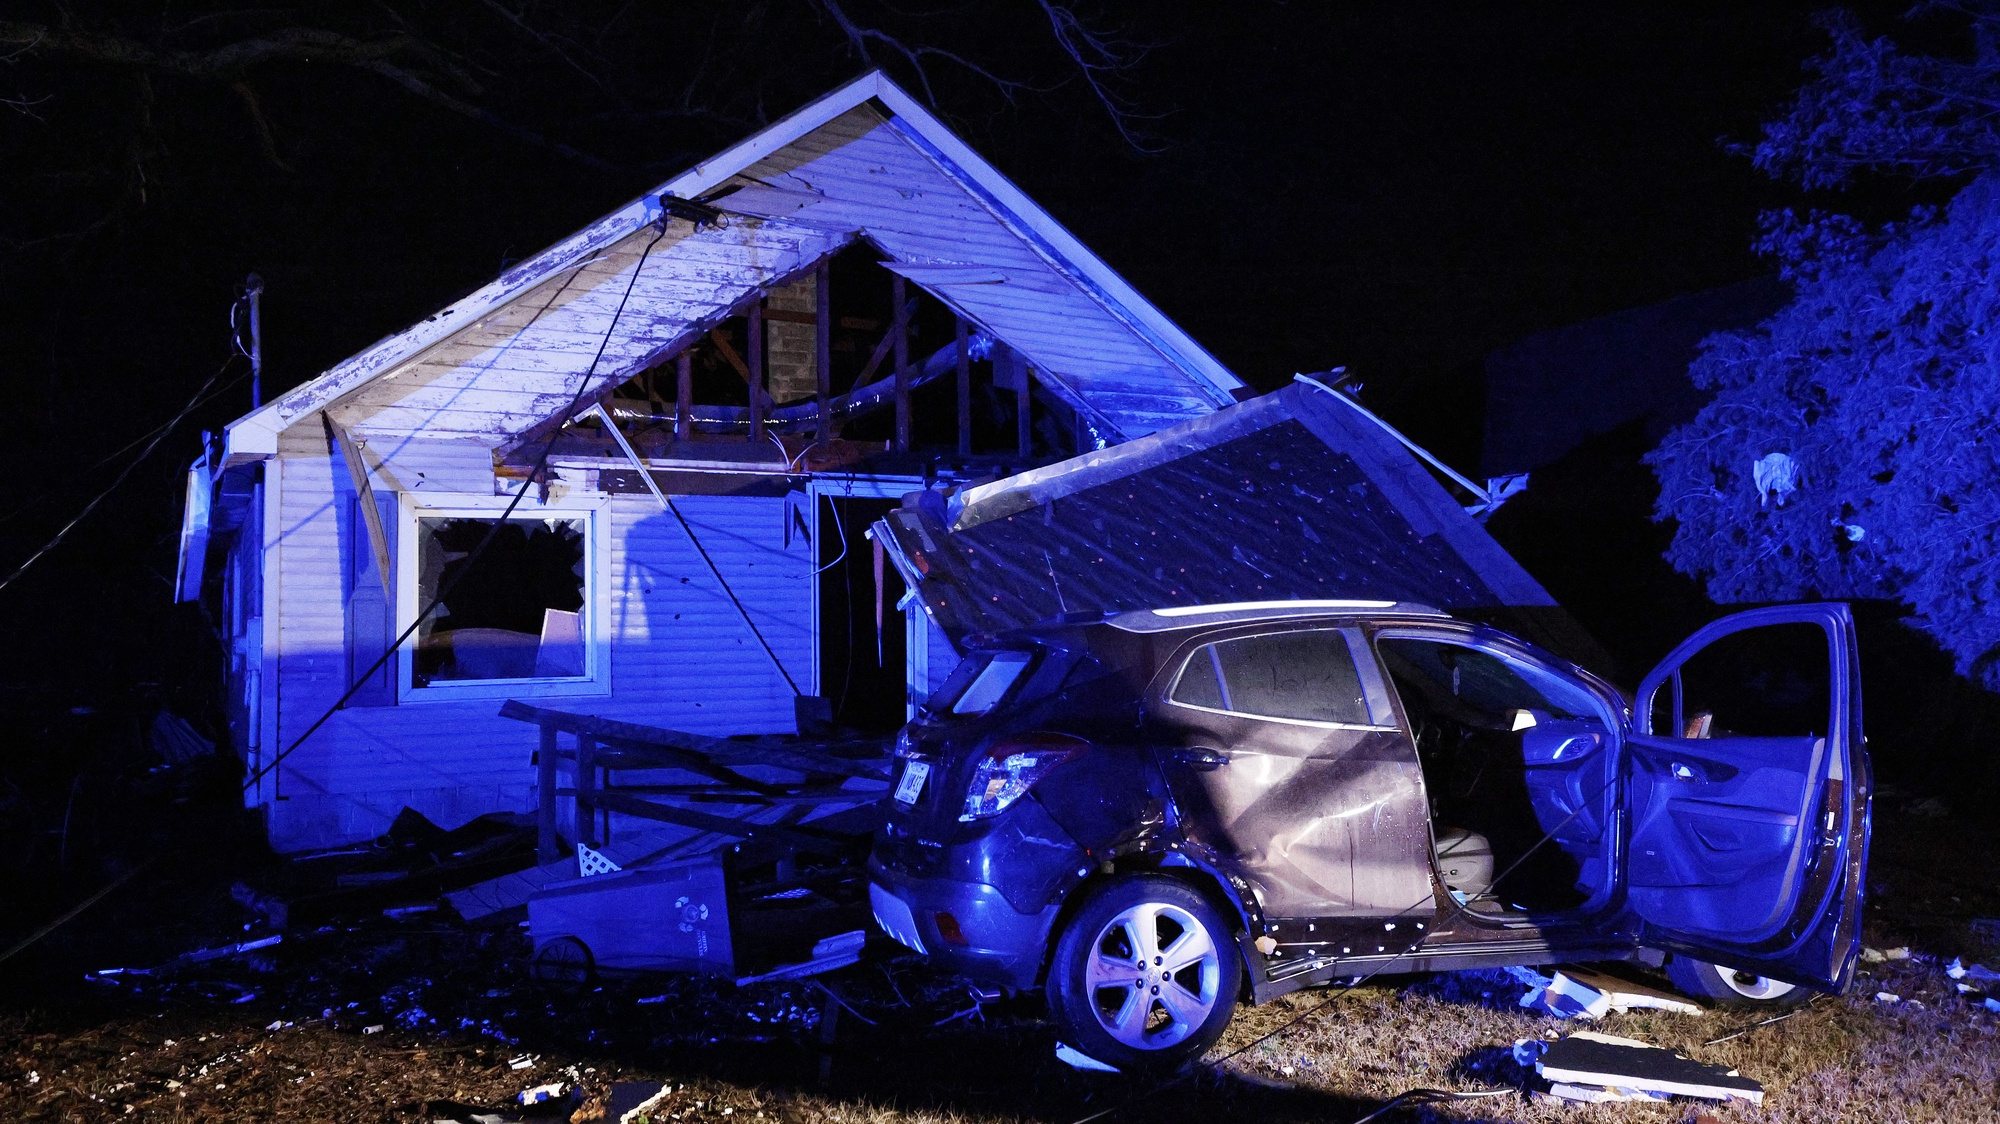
(614, 767)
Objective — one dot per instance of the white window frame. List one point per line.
(594, 513)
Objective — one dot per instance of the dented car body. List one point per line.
(1154, 813)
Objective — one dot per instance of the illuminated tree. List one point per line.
(1852, 446)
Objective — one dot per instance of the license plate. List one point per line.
(912, 784)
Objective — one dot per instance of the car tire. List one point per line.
(1728, 987)
(1145, 974)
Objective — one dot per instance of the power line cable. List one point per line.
(568, 415)
(541, 463)
(135, 462)
(203, 400)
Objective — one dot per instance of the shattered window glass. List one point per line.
(1306, 676)
(515, 611)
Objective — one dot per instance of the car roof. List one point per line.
(1175, 617)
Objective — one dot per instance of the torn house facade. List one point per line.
(732, 379)
(764, 354)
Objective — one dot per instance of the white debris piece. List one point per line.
(1577, 993)
(1887, 997)
(1878, 955)
(1958, 969)
(542, 1094)
(1776, 476)
(1077, 1059)
(1623, 1066)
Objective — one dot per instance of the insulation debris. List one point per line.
(1578, 993)
(1604, 1067)
(1879, 955)
(1077, 1059)
(1958, 969)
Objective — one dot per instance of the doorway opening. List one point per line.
(863, 645)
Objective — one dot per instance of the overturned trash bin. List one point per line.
(697, 915)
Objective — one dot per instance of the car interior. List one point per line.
(1510, 754)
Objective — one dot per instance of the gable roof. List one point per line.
(865, 161)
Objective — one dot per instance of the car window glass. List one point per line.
(1201, 682)
(1772, 681)
(1481, 682)
(1306, 676)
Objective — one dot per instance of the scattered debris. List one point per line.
(373, 1028)
(1958, 969)
(1077, 1059)
(1578, 993)
(523, 1061)
(1528, 1051)
(633, 1101)
(542, 1094)
(1879, 955)
(1590, 1066)
(1887, 997)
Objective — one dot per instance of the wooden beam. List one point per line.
(881, 352)
(364, 491)
(964, 390)
(755, 375)
(729, 353)
(1024, 400)
(804, 838)
(683, 395)
(901, 331)
(546, 843)
(760, 751)
(823, 348)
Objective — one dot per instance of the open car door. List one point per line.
(1747, 794)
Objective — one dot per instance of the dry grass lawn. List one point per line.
(454, 1010)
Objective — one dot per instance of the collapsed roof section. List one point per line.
(863, 164)
(1294, 495)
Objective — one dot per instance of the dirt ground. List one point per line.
(421, 1018)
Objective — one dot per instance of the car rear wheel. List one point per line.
(1718, 983)
(1145, 974)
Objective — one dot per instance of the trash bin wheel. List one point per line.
(564, 964)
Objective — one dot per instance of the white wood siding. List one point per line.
(680, 655)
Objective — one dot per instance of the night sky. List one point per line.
(1400, 188)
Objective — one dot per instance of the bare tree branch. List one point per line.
(382, 56)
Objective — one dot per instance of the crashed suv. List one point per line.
(1155, 815)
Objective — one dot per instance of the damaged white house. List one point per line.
(724, 384)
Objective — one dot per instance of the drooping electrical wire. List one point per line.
(568, 415)
(520, 493)
(158, 436)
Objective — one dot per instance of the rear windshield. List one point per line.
(980, 682)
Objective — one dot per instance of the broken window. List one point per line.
(512, 610)
(1300, 676)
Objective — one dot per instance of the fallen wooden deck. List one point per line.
(698, 792)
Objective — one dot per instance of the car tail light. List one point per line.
(1011, 767)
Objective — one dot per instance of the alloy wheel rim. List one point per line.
(1750, 985)
(1153, 976)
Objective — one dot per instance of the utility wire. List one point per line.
(499, 524)
(135, 462)
(203, 400)
(541, 462)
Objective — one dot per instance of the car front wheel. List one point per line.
(1718, 983)
(1145, 974)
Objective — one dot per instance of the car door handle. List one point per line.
(1201, 758)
